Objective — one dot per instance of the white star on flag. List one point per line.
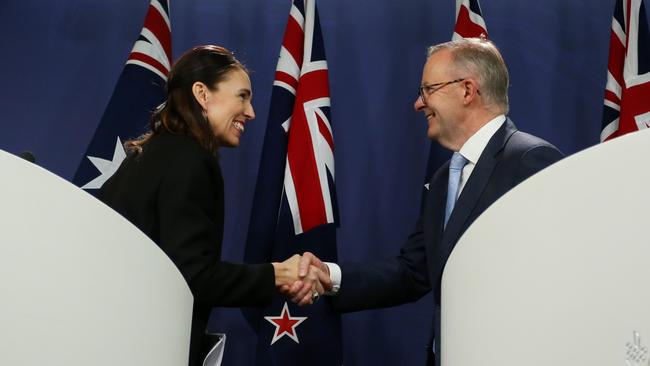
(285, 324)
(106, 167)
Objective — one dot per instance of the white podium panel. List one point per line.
(557, 272)
(80, 285)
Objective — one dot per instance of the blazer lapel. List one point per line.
(471, 194)
(434, 212)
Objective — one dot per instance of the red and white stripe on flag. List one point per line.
(627, 92)
(469, 20)
(302, 70)
(153, 50)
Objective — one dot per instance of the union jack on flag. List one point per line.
(627, 93)
(302, 70)
(140, 88)
(469, 20)
(294, 208)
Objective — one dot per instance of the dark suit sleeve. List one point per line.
(535, 159)
(389, 282)
(191, 225)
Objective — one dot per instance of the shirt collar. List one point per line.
(474, 146)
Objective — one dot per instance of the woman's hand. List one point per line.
(286, 273)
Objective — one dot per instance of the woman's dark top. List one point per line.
(173, 192)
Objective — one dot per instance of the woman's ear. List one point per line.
(200, 92)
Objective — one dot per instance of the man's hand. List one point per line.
(309, 259)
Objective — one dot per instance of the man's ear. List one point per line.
(470, 90)
(200, 92)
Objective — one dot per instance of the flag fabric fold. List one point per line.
(294, 208)
(626, 106)
(140, 88)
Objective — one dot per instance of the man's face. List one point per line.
(441, 98)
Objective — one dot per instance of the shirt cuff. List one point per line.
(335, 276)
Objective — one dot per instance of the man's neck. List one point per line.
(473, 122)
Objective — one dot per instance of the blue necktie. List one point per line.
(455, 169)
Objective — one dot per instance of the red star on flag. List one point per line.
(285, 324)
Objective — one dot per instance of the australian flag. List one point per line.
(469, 20)
(294, 208)
(469, 24)
(140, 88)
(627, 93)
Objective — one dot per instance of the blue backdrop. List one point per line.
(61, 59)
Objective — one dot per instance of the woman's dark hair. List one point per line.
(181, 113)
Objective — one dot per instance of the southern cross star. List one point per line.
(285, 324)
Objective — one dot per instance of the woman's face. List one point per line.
(229, 107)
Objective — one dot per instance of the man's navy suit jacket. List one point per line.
(509, 157)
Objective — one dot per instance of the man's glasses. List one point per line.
(427, 90)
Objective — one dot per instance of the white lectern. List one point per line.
(557, 272)
(79, 284)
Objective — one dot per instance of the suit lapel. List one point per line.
(434, 212)
(471, 195)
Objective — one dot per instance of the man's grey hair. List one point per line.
(481, 59)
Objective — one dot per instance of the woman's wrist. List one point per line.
(286, 273)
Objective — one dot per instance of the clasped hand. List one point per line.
(302, 278)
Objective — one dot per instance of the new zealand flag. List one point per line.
(294, 208)
(627, 93)
(140, 88)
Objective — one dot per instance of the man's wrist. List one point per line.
(335, 277)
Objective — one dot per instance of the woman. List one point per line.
(170, 185)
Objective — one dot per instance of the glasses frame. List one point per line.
(426, 91)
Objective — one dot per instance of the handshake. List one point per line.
(303, 278)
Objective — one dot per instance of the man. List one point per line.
(464, 98)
